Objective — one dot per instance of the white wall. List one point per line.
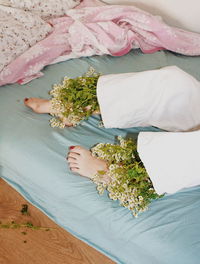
(180, 13)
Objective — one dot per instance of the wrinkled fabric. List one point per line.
(19, 30)
(113, 30)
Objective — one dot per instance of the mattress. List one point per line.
(32, 160)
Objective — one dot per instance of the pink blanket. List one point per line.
(88, 31)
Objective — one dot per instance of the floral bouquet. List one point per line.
(75, 99)
(128, 180)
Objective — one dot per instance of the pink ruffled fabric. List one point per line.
(99, 30)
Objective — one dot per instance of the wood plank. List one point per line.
(27, 246)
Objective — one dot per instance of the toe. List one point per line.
(76, 170)
(79, 150)
(26, 100)
(73, 165)
(73, 155)
(69, 159)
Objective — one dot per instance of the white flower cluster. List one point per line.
(56, 103)
(69, 99)
(91, 72)
(54, 122)
(121, 185)
(127, 196)
(59, 108)
(98, 152)
(113, 154)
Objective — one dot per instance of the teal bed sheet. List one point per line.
(32, 160)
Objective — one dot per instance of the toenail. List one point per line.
(71, 147)
(26, 99)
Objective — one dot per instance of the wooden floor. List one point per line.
(27, 246)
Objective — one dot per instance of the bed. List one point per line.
(32, 161)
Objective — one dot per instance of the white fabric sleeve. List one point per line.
(172, 160)
(167, 98)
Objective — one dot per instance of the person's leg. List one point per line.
(44, 106)
(118, 169)
(72, 101)
(126, 100)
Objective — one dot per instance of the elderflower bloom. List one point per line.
(56, 123)
(100, 189)
(122, 171)
(113, 196)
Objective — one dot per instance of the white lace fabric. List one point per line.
(22, 24)
(19, 30)
(44, 8)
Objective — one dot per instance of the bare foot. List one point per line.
(82, 162)
(40, 106)
(43, 106)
